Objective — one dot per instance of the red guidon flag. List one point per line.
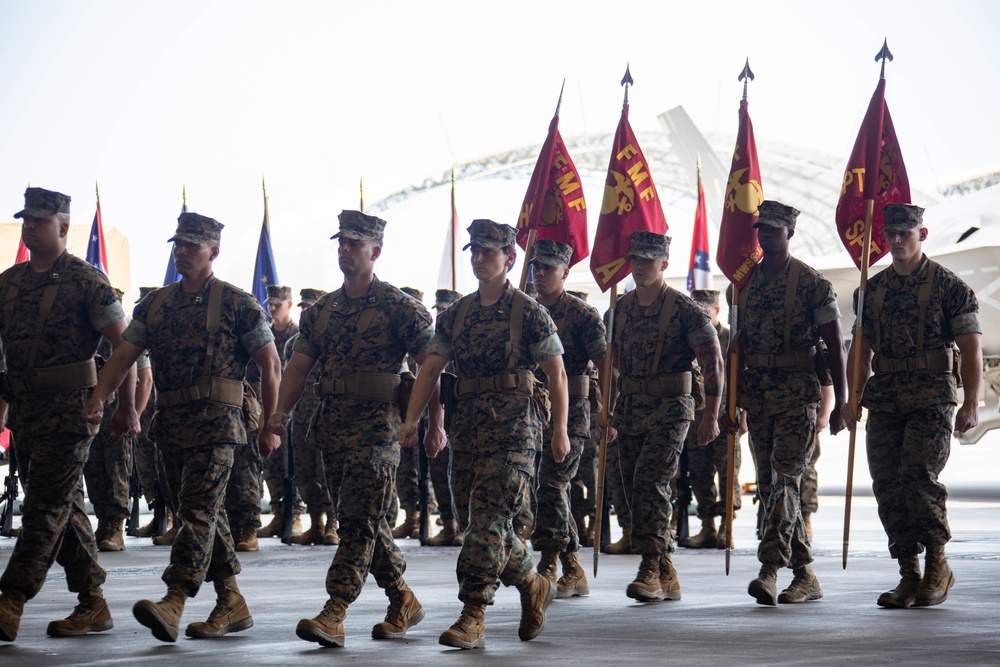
(875, 171)
(738, 249)
(554, 206)
(630, 205)
(22, 253)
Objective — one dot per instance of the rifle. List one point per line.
(288, 495)
(159, 504)
(761, 513)
(9, 496)
(448, 381)
(133, 488)
(423, 482)
(683, 501)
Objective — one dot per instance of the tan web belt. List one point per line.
(78, 375)
(210, 389)
(513, 382)
(673, 384)
(802, 360)
(578, 386)
(934, 361)
(381, 387)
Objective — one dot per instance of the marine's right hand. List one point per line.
(93, 411)
(847, 413)
(408, 434)
(277, 423)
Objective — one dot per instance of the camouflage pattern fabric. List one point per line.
(53, 440)
(910, 414)
(361, 462)
(310, 472)
(583, 337)
(809, 484)
(109, 465)
(144, 451)
(493, 440)
(243, 492)
(583, 486)
(441, 482)
(614, 478)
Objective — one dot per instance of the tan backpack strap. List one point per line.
(324, 317)
(516, 328)
(923, 299)
(456, 327)
(666, 313)
(794, 268)
(158, 299)
(214, 320)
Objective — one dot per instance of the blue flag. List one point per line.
(97, 256)
(171, 276)
(264, 271)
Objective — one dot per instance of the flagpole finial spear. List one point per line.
(882, 55)
(627, 81)
(745, 76)
(559, 103)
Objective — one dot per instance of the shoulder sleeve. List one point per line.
(251, 323)
(961, 306)
(440, 344)
(104, 307)
(593, 333)
(824, 301)
(413, 323)
(696, 323)
(305, 342)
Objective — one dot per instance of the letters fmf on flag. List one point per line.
(554, 205)
(738, 249)
(699, 271)
(875, 171)
(97, 256)
(630, 204)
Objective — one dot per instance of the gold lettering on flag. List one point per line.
(609, 270)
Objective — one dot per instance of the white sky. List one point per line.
(144, 97)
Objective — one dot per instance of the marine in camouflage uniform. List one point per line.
(914, 312)
(658, 334)
(583, 338)
(782, 320)
(495, 430)
(55, 309)
(144, 449)
(359, 336)
(200, 421)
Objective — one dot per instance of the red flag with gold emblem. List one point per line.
(630, 205)
(738, 249)
(875, 171)
(554, 206)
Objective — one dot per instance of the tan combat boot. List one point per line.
(669, 581)
(113, 537)
(404, 612)
(327, 628)
(273, 528)
(548, 565)
(447, 537)
(706, 539)
(330, 536)
(537, 594)
(804, 587)
(406, 529)
(11, 608)
(91, 615)
(905, 593)
(573, 583)
(316, 533)
(246, 539)
(143, 531)
(167, 538)
(163, 617)
(720, 542)
(765, 587)
(937, 581)
(296, 523)
(229, 615)
(469, 631)
(647, 587)
(622, 546)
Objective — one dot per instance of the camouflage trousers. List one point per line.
(273, 471)
(649, 462)
(144, 451)
(906, 453)
(809, 485)
(107, 474)
(366, 543)
(243, 489)
(782, 444)
(54, 525)
(310, 469)
(555, 528)
(583, 488)
(704, 464)
(614, 478)
(196, 480)
(489, 489)
(441, 481)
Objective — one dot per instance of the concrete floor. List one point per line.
(716, 622)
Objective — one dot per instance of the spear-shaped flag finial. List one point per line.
(882, 55)
(627, 81)
(746, 76)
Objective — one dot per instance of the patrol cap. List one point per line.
(489, 234)
(278, 293)
(144, 292)
(708, 296)
(414, 292)
(775, 214)
(41, 203)
(360, 226)
(552, 253)
(649, 245)
(309, 296)
(901, 217)
(445, 297)
(195, 228)
(579, 295)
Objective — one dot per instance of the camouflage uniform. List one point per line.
(582, 333)
(651, 429)
(198, 440)
(243, 490)
(274, 468)
(362, 461)
(910, 414)
(493, 438)
(53, 440)
(439, 465)
(782, 403)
